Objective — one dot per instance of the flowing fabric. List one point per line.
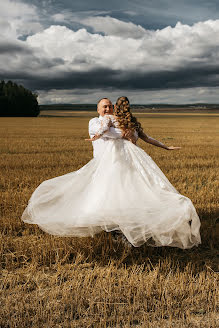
(124, 190)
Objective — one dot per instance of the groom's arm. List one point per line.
(111, 133)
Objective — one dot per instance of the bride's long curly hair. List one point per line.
(124, 116)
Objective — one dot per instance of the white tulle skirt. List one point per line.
(123, 189)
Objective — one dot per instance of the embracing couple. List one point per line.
(105, 107)
(120, 189)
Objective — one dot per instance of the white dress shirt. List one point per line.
(99, 144)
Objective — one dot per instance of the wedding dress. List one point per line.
(121, 189)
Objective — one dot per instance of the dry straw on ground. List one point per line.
(49, 281)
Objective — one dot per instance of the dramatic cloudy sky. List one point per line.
(76, 51)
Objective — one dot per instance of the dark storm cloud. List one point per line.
(10, 48)
(108, 79)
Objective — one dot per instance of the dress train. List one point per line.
(122, 189)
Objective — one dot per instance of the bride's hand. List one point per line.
(92, 139)
(128, 135)
(172, 148)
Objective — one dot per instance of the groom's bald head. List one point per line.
(101, 100)
(104, 106)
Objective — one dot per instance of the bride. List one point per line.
(120, 189)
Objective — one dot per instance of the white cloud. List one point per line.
(66, 16)
(18, 18)
(113, 26)
(58, 51)
(166, 49)
(82, 50)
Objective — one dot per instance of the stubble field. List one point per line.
(49, 281)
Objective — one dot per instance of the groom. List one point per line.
(104, 106)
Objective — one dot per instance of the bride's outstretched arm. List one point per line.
(155, 142)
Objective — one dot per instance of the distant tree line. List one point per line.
(15, 100)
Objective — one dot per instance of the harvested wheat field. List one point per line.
(49, 281)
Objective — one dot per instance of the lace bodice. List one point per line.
(107, 122)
